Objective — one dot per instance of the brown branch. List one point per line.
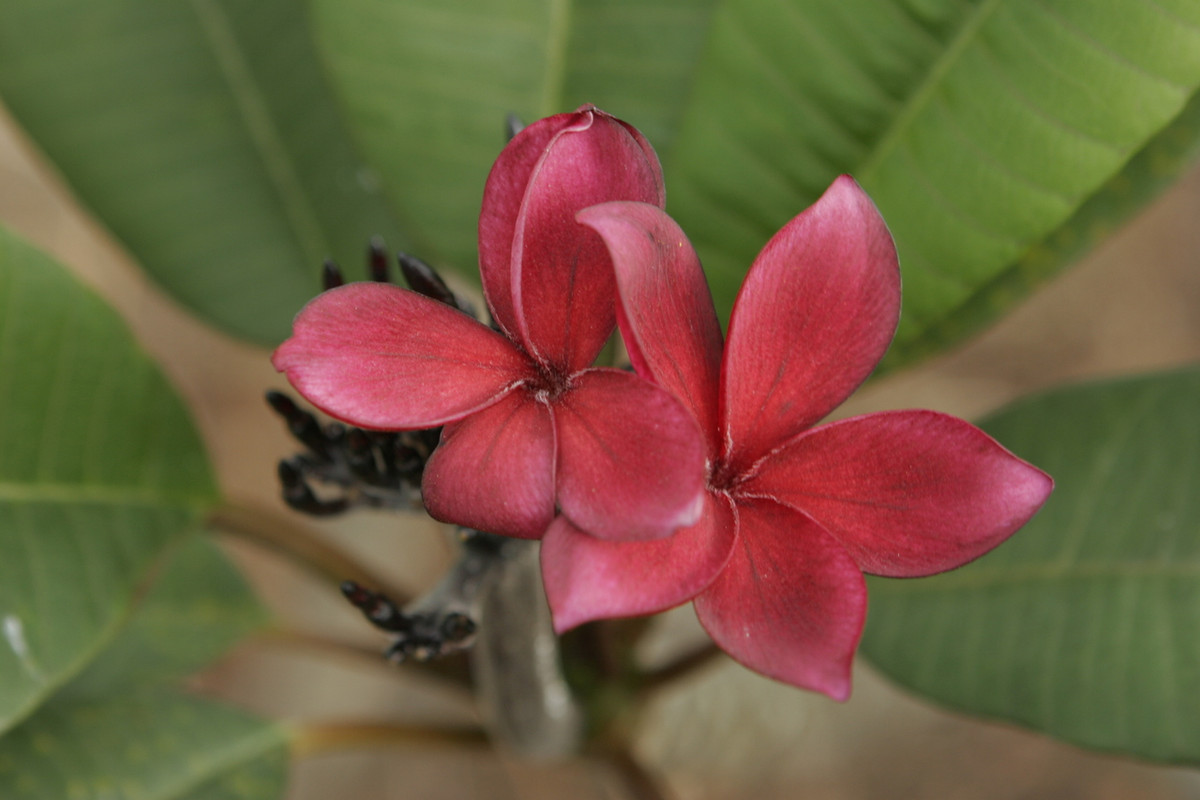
(303, 546)
(452, 671)
(639, 781)
(315, 738)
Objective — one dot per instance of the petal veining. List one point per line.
(815, 314)
(494, 471)
(907, 493)
(666, 311)
(790, 603)
(588, 578)
(631, 457)
(378, 356)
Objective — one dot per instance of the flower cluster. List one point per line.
(704, 476)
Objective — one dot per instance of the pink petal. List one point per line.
(631, 459)
(379, 356)
(588, 578)
(666, 312)
(564, 293)
(494, 471)
(502, 197)
(908, 493)
(813, 318)
(790, 604)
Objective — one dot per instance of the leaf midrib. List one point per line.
(249, 749)
(58, 492)
(264, 134)
(920, 98)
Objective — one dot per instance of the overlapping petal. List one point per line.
(908, 493)
(666, 311)
(790, 603)
(587, 578)
(631, 458)
(378, 356)
(503, 195)
(495, 470)
(563, 284)
(815, 314)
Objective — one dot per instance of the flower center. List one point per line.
(549, 384)
(722, 477)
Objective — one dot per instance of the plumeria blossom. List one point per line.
(531, 429)
(793, 514)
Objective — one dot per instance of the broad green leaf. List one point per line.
(201, 132)
(143, 744)
(427, 85)
(982, 129)
(1083, 625)
(116, 732)
(196, 609)
(100, 470)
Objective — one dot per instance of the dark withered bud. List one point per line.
(423, 279)
(298, 495)
(377, 260)
(331, 275)
(377, 608)
(301, 424)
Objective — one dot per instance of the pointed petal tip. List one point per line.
(790, 603)
(815, 315)
(908, 493)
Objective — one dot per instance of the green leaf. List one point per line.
(201, 132)
(100, 469)
(427, 85)
(982, 129)
(1000, 139)
(1083, 625)
(145, 744)
(196, 609)
(117, 732)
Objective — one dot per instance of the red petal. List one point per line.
(813, 318)
(564, 292)
(631, 459)
(588, 578)
(790, 603)
(379, 356)
(502, 197)
(666, 311)
(908, 493)
(494, 471)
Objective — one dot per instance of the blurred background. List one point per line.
(1133, 305)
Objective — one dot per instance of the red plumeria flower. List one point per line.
(794, 514)
(529, 427)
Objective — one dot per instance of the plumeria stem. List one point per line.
(327, 737)
(301, 545)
